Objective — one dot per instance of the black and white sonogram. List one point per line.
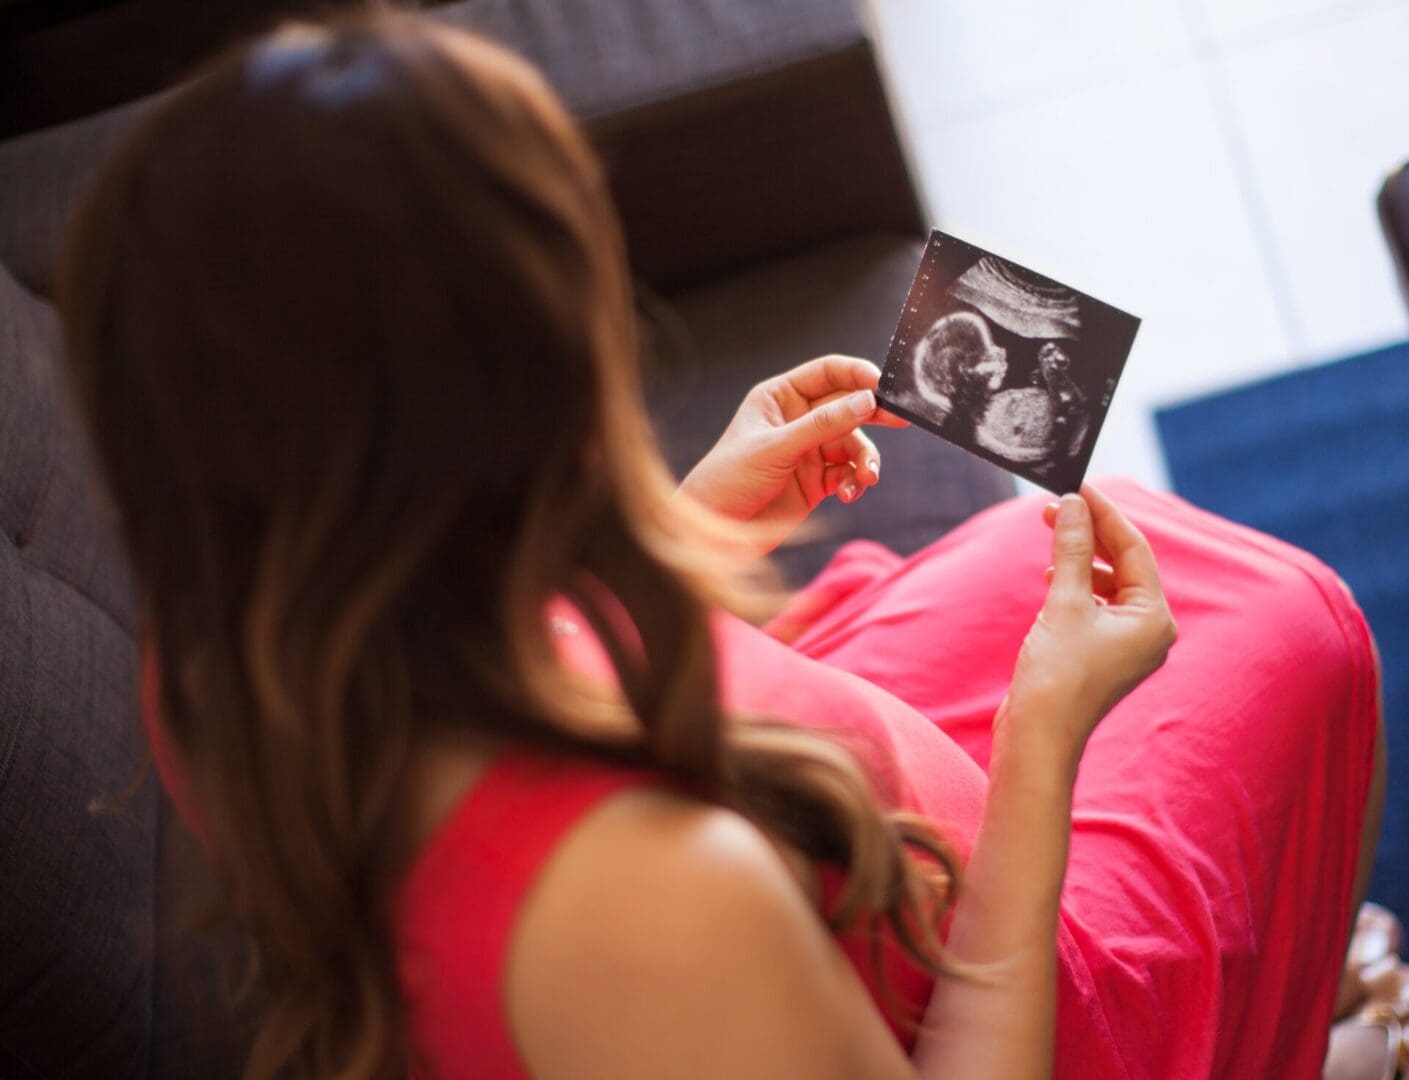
(1010, 365)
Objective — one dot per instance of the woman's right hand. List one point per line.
(1100, 633)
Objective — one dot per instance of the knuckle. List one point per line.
(762, 389)
(1164, 633)
(1073, 548)
(1064, 604)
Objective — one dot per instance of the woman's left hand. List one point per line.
(795, 440)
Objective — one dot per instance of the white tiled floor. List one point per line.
(1209, 164)
(1311, 130)
(1235, 21)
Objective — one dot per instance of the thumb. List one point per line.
(1073, 548)
(826, 422)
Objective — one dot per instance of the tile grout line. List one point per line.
(1200, 47)
(1004, 104)
(1205, 50)
(1287, 26)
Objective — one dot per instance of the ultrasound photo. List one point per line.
(1005, 363)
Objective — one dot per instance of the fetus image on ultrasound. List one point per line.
(958, 365)
(1039, 421)
(1004, 362)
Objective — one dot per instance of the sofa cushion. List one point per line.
(75, 835)
(712, 344)
(42, 175)
(51, 506)
(29, 336)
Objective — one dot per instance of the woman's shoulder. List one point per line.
(649, 905)
(652, 907)
(670, 937)
(521, 819)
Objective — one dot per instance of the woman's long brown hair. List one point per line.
(352, 328)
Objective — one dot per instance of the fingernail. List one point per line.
(1070, 509)
(848, 490)
(862, 403)
(875, 467)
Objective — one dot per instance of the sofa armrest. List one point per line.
(758, 168)
(734, 130)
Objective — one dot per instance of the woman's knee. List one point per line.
(1357, 664)
(1363, 650)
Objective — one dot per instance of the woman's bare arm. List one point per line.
(1099, 634)
(1002, 1025)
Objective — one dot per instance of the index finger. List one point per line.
(879, 418)
(829, 374)
(1129, 552)
(888, 419)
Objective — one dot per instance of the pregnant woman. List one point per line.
(449, 673)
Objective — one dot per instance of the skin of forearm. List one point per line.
(1001, 1022)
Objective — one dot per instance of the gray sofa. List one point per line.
(770, 217)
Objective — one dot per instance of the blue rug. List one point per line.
(1320, 457)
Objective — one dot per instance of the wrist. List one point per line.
(1038, 742)
(691, 487)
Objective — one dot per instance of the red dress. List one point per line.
(1216, 817)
